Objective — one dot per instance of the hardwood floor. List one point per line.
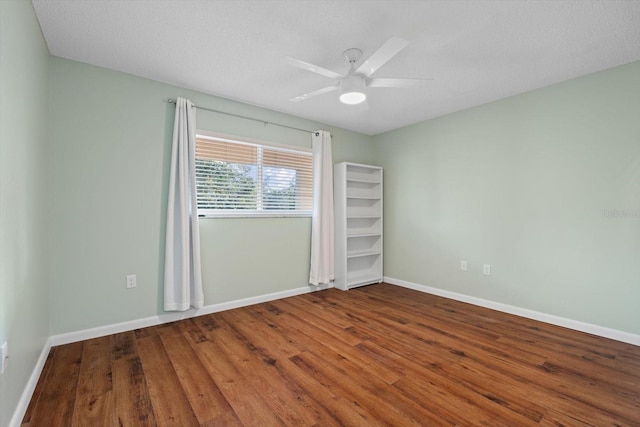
(378, 355)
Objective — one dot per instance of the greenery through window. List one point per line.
(240, 178)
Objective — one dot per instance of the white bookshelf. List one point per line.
(358, 223)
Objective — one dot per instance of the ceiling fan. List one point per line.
(352, 86)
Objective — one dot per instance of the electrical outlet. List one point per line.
(131, 281)
(486, 269)
(4, 353)
(463, 265)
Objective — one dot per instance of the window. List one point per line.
(239, 178)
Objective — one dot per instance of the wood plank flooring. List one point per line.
(380, 355)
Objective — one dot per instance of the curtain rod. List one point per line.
(266, 122)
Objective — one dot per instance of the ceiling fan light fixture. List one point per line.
(352, 98)
(352, 90)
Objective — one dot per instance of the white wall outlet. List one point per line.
(4, 353)
(486, 269)
(463, 265)
(131, 281)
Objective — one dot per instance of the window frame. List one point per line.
(255, 213)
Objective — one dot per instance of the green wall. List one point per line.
(111, 137)
(523, 184)
(24, 198)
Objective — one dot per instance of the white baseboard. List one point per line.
(115, 328)
(523, 312)
(25, 398)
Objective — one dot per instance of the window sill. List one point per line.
(273, 214)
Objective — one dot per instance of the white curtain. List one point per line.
(182, 273)
(322, 238)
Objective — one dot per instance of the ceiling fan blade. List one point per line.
(313, 68)
(314, 93)
(382, 82)
(380, 57)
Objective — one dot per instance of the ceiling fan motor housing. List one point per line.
(352, 89)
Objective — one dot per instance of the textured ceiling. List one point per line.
(476, 51)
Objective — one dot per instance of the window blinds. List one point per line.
(241, 176)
